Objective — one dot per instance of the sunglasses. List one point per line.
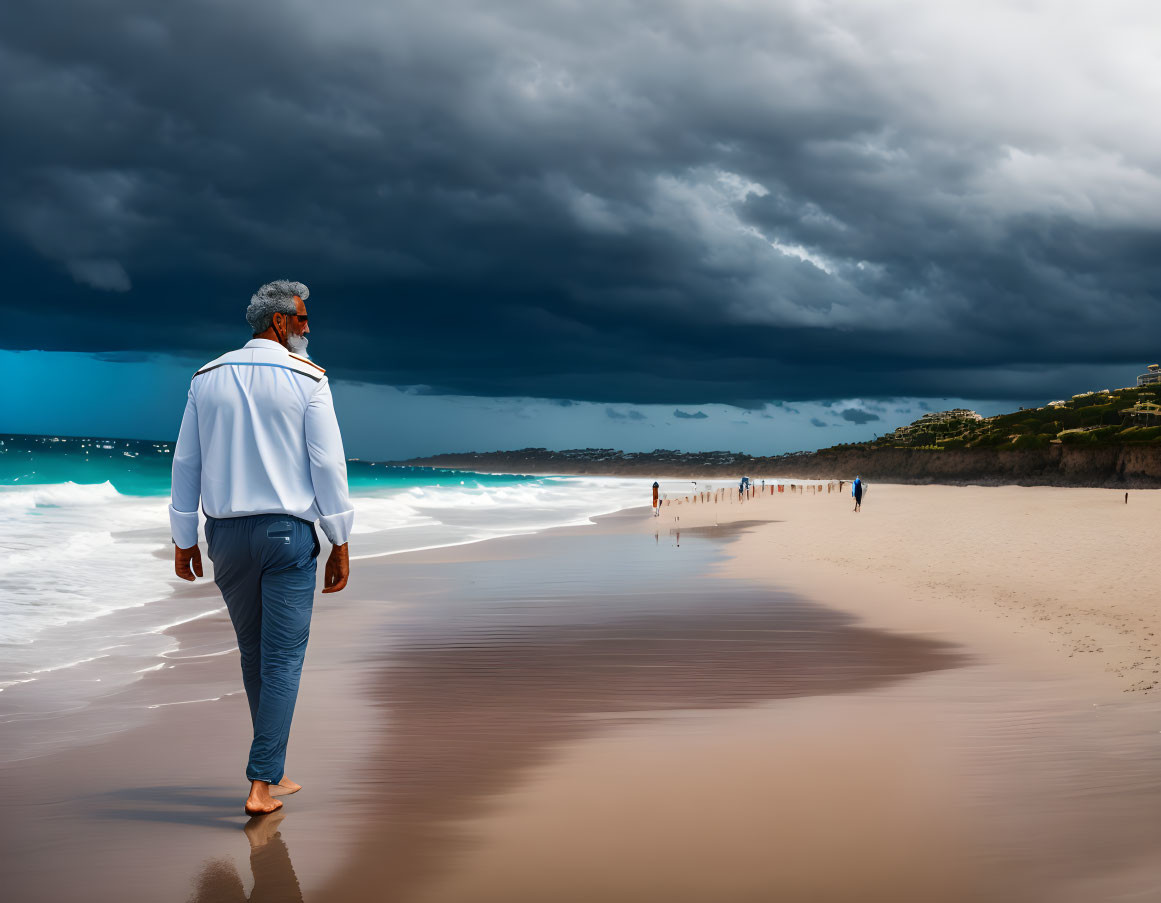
(301, 317)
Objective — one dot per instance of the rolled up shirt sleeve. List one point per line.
(328, 466)
(186, 485)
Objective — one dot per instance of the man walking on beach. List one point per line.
(260, 446)
(857, 492)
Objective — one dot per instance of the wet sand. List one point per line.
(666, 709)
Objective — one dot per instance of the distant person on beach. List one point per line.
(260, 447)
(857, 492)
(656, 499)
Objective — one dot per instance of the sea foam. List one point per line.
(73, 553)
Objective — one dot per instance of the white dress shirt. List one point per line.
(259, 436)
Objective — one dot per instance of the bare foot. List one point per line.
(260, 802)
(284, 787)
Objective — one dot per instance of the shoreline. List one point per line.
(77, 678)
(430, 614)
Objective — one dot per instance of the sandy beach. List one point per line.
(951, 695)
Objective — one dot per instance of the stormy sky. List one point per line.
(645, 208)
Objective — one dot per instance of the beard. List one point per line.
(296, 343)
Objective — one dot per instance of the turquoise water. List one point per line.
(142, 468)
(87, 588)
(82, 522)
(133, 467)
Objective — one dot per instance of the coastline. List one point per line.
(63, 684)
(420, 618)
(1125, 466)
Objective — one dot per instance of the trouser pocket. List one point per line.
(281, 531)
(289, 542)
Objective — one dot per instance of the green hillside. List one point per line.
(1118, 417)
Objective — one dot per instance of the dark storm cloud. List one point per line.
(620, 202)
(814, 421)
(854, 415)
(686, 415)
(614, 414)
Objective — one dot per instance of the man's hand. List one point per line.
(184, 558)
(337, 570)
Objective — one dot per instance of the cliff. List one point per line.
(1056, 465)
(1127, 466)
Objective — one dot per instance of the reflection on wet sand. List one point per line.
(470, 712)
(621, 743)
(270, 866)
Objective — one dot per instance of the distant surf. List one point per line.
(86, 577)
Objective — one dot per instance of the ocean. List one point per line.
(86, 574)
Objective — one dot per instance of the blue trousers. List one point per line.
(264, 565)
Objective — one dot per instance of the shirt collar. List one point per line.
(265, 343)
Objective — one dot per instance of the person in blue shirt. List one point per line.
(857, 492)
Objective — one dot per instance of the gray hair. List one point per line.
(273, 298)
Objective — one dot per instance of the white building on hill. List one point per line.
(1151, 376)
